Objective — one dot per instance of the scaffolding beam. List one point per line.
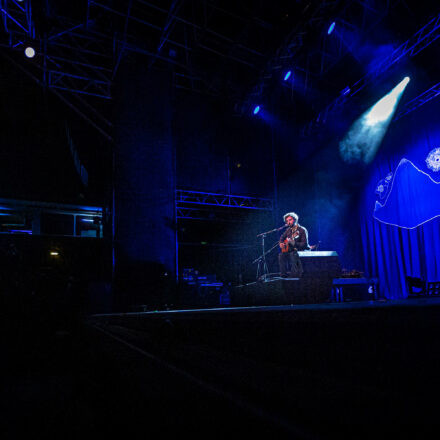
(184, 197)
(425, 36)
(420, 100)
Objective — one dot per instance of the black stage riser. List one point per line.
(278, 292)
(313, 287)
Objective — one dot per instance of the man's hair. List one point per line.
(291, 214)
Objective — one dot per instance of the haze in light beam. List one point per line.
(366, 134)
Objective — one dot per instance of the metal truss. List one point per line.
(417, 102)
(79, 60)
(184, 197)
(323, 52)
(75, 61)
(419, 41)
(178, 28)
(358, 18)
(17, 21)
(290, 47)
(78, 65)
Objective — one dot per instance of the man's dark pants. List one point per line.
(290, 260)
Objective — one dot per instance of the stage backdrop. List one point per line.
(400, 207)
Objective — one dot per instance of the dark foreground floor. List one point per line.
(361, 369)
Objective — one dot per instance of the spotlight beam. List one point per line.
(363, 139)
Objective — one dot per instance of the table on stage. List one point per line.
(340, 283)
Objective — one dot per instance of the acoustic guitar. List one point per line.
(289, 241)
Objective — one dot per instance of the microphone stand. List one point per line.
(262, 265)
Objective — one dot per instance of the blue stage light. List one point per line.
(287, 75)
(331, 28)
(256, 109)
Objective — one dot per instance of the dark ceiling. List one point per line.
(237, 51)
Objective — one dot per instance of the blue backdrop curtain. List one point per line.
(403, 237)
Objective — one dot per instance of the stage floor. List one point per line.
(301, 370)
(377, 304)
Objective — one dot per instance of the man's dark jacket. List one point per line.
(300, 243)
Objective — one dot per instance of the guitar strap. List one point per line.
(293, 230)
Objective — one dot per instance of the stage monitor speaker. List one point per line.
(322, 264)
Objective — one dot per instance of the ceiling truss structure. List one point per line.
(177, 32)
(309, 52)
(17, 21)
(415, 103)
(425, 36)
(196, 205)
(73, 61)
(223, 200)
(78, 58)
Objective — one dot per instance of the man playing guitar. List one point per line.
(294, 239)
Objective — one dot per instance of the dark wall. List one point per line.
(219, 152)
(35, 161)
(144, 177)
(226, 248)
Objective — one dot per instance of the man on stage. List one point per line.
(294, 239)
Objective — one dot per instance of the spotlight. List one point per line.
(287, 75)
(54, 253)
(385, 108)
(331, 28)
(361, 142)
(256, 109)
(29, 52)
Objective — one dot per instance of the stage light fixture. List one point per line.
(287, 75)
(331, 28)
(29, 52)
(256, 109)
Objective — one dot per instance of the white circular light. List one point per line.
(29, 52)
